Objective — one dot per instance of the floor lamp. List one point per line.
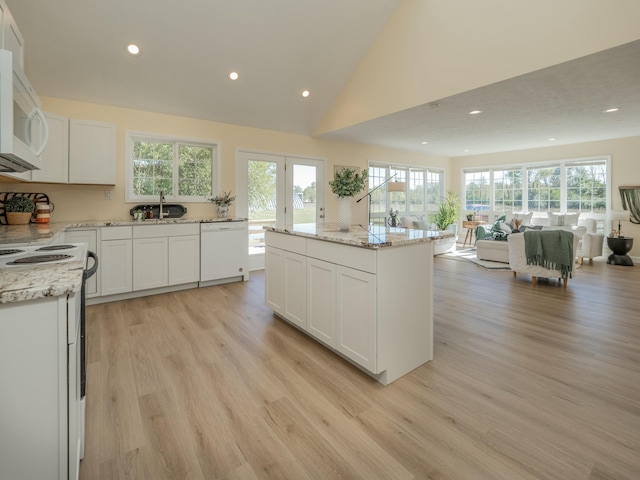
(392, 187)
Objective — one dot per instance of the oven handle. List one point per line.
(89, 272)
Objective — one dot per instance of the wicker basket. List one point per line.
(18, 218)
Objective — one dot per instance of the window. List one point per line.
(544, 189)
(507, 188)
(561, 186)
(423, 191)
(477, 187)
(184, 170)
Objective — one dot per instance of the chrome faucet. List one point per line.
(161, 215)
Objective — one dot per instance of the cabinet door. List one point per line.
(92, 152)
(184, 259)
(321, 301)
(54, 167)
(90, 237)
(286, 285)
(150, 263)
(356, 316)
(11, 37)
(274, 283)
(115, 265)
(295, 289)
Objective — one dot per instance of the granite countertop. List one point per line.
(45, 233)
(372, 236)
(18, 284)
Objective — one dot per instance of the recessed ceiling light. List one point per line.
(233, 75)
(306, 93)
(133, 49)
(475, 112)
(423, 143)
(552, 139)
(466, 150)
(610, 110)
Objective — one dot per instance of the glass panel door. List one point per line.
(277, 190)
(305, 204)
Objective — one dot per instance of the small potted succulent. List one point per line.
(19, 210)
(223, 202)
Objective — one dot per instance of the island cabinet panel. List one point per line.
(321, 301)
(373, 306)
(286, 285)
(356, 316)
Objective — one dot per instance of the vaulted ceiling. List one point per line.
(76, 49)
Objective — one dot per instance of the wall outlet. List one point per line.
(108, 195)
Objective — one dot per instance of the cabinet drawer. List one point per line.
(173, 230)
(354, 257)
(290, 243)
(116, 233)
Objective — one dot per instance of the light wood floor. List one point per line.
(528, 382)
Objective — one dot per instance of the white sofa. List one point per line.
(590, 242)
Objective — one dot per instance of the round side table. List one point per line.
(620, 246)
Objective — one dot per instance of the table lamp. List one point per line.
(619, 216)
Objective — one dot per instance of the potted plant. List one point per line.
(345, 184)
(223, 202)
(19, 210)
(448, 211)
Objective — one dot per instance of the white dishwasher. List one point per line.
(224, 252)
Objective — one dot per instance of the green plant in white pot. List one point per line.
(448, 211)
(345, 184)
(19, 210)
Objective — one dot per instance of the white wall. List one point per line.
(87, 202)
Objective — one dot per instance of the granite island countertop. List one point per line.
(371, 236)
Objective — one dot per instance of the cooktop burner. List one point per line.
(50, 248)
(40, 259)
(11, 251)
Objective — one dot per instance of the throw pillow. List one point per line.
(561, 219)
(522, 217)
(421, 225)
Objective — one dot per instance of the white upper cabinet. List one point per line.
(92, 152)
(55, 158)
(11, 37)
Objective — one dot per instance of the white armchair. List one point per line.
(518, 259)
(591, 243)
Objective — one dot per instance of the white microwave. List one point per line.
(23, 127)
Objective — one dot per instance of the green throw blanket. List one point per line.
(552, 249)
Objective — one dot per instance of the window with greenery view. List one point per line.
(566, 186)
(424, 190)
(182, 170)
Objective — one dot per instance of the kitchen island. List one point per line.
(367, 294)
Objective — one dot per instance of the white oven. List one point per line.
(23, 127)
(43, 367)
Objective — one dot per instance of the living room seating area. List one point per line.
(492, 244)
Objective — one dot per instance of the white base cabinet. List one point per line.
(372, 306)
(116, 251)
(184, 259)
(40, 424)
(150, 262)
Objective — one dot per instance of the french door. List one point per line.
(277, 190)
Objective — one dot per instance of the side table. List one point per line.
(470, 225)
(620, 246)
